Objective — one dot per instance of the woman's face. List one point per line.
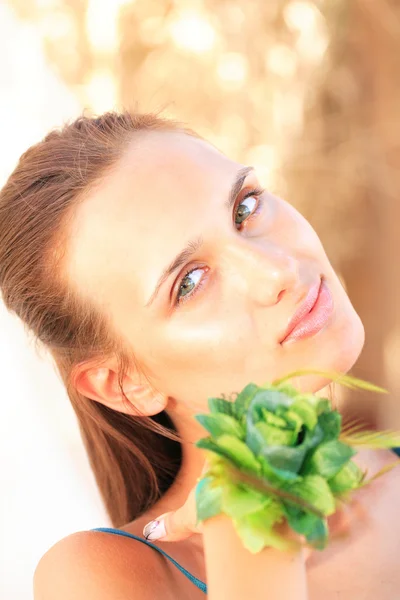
(209, 320)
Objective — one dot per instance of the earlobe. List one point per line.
(101, 384)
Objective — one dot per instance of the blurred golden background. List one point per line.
(307, 91)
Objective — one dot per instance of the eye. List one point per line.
(190, 283)
(249, 206)
(194, 279)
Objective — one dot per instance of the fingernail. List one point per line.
(155, 530)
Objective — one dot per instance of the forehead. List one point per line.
(141, 215)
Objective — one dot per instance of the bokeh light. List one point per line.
(192, 31)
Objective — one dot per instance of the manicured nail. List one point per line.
(155, 530)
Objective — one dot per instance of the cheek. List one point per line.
(197, 357)
(193, 340)
(295, 232)
(192, 360)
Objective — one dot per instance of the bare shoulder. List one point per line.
(93, 565)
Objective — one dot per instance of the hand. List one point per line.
(178, 524)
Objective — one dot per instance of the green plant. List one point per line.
(277, 455)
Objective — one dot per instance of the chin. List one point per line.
(348, 338)
(343, 343)
(338, 352)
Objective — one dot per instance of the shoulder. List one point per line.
(93, 565)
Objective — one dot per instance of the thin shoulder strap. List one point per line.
(197, 582)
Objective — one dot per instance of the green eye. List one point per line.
(245, 209)
(189, 282)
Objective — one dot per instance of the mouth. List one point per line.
(312, 315)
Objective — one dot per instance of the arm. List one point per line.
(235, 573)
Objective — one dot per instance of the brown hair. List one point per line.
(134, 459)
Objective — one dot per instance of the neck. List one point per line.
(193, 460)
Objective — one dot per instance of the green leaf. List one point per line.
(244, 398)
(236, 451)
(268, 399)
(208, 499)
(274, 475)
(273, 419)
(220, 424)
(276, 436)
(256, 529)
(381, 472)
(264, 400)
(330, 423)
(312, 399)
(329, 458)
(372, 439)
(323, 405)
(312, 527)
(220, 405)
(315, 490)
(355, 383)
(353, 425)
(288, 389)
(312, 439)
(216, 467)
(259, 482)
(209, 444)
(295, 421)
(305, 411)
(286, 458)
(318, 537)
(254, 438)
(340, 378)
(349, 477)
(295, 457)
(240, 499)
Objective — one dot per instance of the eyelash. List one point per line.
(257, 192)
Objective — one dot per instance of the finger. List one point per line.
(174, 525)
(169, 527)
(179, 524)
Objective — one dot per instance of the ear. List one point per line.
(101, 384)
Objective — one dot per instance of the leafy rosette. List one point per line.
(280, 456)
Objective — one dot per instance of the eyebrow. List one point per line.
(193, 246)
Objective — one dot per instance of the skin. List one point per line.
(167, 189)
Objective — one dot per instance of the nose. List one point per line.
(262, 271)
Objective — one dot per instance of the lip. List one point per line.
(312, 315)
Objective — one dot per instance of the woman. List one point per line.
(158, 273)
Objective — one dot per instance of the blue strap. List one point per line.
(396, 451)
(197, 582)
